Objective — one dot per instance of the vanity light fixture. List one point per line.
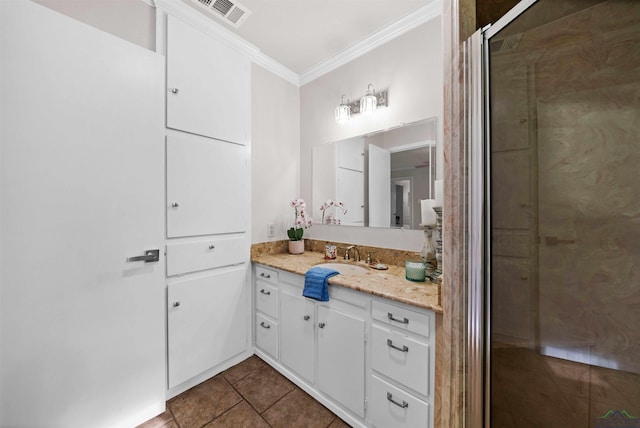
(367, 104)
(343, 111)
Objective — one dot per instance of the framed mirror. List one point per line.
(377, 179)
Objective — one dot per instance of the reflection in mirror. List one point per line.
(379, 178)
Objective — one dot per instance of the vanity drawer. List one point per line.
(267, 335)
(267, 299)
(205, 254)
(392, 407)
(265, 274)
(401, 318)
(401, 358)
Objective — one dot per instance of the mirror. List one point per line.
(377, 179)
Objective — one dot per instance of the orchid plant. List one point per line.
(332, 219)
(301, 220)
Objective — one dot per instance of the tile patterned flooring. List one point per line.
(534, 390)
(250, 394)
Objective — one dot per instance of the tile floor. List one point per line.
(250, 394)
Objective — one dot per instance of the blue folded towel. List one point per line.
(316, 283)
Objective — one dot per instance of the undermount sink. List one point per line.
(344, 268)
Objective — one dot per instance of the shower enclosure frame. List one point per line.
(477, 139)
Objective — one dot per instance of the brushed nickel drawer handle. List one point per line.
(263, 325)
(306, 317)
(402, 321)
(266, 293)
(391, 345)
(321, 324)
(402, 405)
(263, 275)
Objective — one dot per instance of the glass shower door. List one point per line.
(564, 303)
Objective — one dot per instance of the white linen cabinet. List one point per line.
(207, 199)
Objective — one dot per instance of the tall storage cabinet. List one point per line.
(207, 200)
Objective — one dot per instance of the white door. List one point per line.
(207, 187)
(379, 187)
(82, 329)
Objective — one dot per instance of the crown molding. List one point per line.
(388, 33)
(209, 26)
(212, 28)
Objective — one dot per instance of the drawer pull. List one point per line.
(263, 275)
(307, 317)
(212, 247)
(402, 405)
(267, 293)
(263, 325)
(391, 345)
(321, 324)
(402, 321)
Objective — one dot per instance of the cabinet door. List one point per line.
(208, 85)
(207, 187)
(341, 358)
(206, 322)
(296, 335)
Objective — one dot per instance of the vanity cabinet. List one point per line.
(208, 84)
(266, 298)
(402, 363)
(367, 359)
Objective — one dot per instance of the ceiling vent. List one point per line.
(232, 13)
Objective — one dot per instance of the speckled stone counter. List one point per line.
(390, 284)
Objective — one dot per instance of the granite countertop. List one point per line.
(390, 284)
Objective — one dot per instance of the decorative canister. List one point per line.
(330, 252)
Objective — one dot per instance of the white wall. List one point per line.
(132, 20)
(410, 68)
(275, 153)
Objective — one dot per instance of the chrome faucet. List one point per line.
(357, 251)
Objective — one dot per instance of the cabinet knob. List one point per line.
(321, 324)
(212, 247)
(176, 304)
(307, 317)
(175, 204)
(174, 90)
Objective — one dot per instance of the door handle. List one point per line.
(149, 256)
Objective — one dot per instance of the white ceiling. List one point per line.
(301, 34)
